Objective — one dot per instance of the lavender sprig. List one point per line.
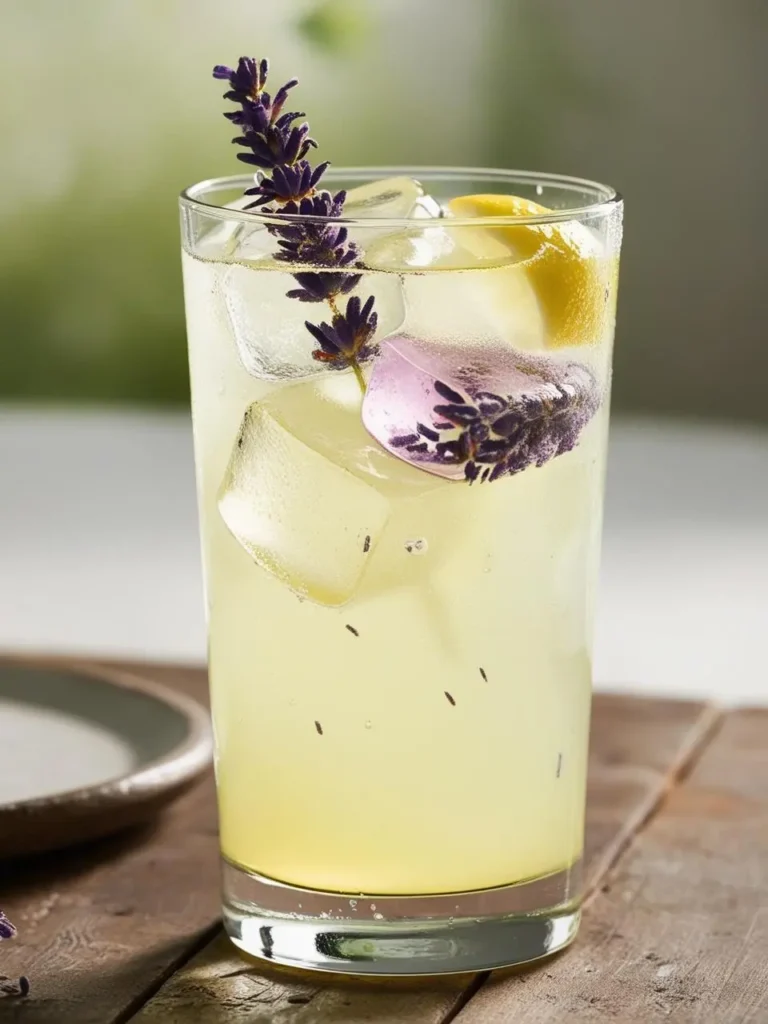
(288, 186)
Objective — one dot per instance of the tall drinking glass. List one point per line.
(400, 553)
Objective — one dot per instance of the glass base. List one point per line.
(400, 935)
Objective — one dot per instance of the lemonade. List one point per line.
(400, 663)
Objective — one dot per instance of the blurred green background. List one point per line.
(108, 109)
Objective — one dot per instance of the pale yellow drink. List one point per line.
(400, 664)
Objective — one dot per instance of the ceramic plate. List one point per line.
(86, 752)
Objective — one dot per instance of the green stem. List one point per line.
(359, 375)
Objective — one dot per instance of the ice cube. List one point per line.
(443, 246)
(326, 415)
(468, 288)
(269, 327)
(252, 244)
(392, 198)
(310, 522)
(225, 238)
(463, 412)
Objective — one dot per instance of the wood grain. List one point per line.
(101, 926)
(680, 931)
(638, 748)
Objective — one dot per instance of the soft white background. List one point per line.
(99, 551)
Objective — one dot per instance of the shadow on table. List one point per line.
(58, 866)
(250, 990)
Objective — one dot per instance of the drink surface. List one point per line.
(400, 660)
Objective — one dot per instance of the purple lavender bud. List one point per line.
(321, 287)
(348, 338)
(448, 393)
(7, 930)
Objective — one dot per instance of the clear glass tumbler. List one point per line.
(400, 474)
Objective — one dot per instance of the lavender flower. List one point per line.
(346, 341)
(319, 287)
(7, 930)
(277, 145)
(271, 136)
(247, 81)
(325, 245)
(293, 183)
(494, 435)
(7, 986)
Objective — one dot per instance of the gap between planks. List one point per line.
(701, 735)
(142, 998)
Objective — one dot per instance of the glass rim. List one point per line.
(606, 197)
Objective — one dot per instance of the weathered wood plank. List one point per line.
(679, 931)
(638, 747)
(103, 925)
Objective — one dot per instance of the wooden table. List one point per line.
(675, 929)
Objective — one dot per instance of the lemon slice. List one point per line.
(564, 265)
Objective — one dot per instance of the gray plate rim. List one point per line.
(147, 784)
